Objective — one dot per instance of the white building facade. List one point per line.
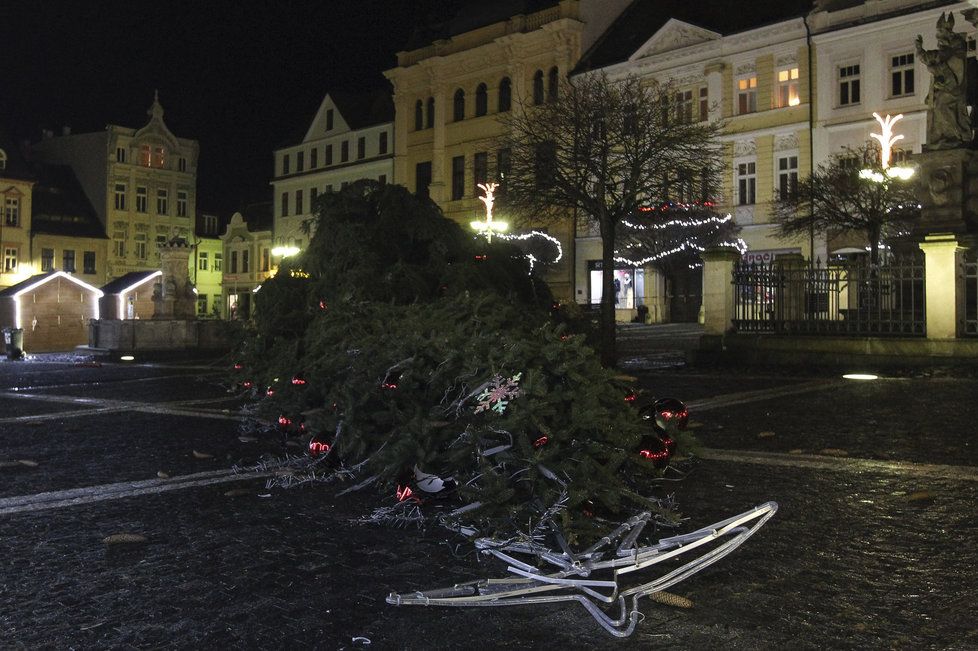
(350, 138)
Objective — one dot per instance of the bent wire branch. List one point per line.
(578, 576)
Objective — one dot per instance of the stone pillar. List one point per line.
(792, 295)
(718, 290)
(173, 295)
(443, 110)
(947, 184)
(714, 86)
(944, 285)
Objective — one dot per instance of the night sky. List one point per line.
(242, 77)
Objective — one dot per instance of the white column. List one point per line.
(943, 285)
(718, 290)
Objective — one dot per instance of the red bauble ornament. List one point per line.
(317, 448)
(653, 449)
(247, 384)
(540, 442)
(284, 421)
(299, 381)
(670, 413)
(238, 366)
(269, 392)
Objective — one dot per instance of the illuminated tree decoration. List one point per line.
(497, 394)
(317, 448)
(887, 138)
(488, 227)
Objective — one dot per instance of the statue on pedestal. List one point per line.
(948, 125)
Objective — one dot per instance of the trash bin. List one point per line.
(14, 340)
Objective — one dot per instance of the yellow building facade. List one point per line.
(16, 183)
(449, 96)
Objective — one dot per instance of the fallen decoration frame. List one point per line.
(574, 579)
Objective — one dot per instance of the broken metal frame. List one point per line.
(530, 582)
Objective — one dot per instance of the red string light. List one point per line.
(299, 381)
(631, 397)
(404, 493)
(284, 421)
(247, 384)
(238, 366)
(318, 447)
(388, 385)
(540, 442)
(269, 392)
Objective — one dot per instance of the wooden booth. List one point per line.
(53, 309)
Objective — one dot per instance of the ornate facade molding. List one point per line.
(745, 148)
(785, 142)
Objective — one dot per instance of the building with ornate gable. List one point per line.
(141, 182)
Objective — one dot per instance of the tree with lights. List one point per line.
(856, 190)
(605, 149)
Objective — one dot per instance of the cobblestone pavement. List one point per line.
(863, 553)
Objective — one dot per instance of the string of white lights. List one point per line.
(740, 245)
(685, 223)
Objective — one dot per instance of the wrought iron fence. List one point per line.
(971, 293)
(839, 299)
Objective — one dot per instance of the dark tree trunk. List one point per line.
(607, 315)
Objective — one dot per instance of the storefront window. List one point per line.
(629, 286)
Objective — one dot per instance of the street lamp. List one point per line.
(887, 138)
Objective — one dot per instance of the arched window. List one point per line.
(458, 105)
(552, 80)
(538, 87)
(431, 112)
(505, 94)
(481, 100)
(418, 117)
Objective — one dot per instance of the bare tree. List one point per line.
(603, 150)
(852, 191)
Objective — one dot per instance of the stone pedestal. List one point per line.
(947, 183)
(944, 285)
(173, 295)
(718, 290)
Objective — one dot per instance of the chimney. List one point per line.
(65, 130)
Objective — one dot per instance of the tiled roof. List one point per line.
(643, 18)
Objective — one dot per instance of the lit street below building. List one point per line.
(873, 545)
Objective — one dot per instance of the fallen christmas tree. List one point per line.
(427, 361)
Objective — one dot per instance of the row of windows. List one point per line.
(480, 174)
(240, 261)
(424, 112)
(67, 261)
(150, 156)
(298, 206)
(848, 79)
(140, 241)
(787, 179)
(204, 263)
(119, 200)
(300, 156)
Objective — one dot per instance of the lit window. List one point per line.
(788, 88)
(202, 260)
(849, 85)
(144, 156)
(746, 183)
(901, 75)
(158, 157)
(746, 95)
